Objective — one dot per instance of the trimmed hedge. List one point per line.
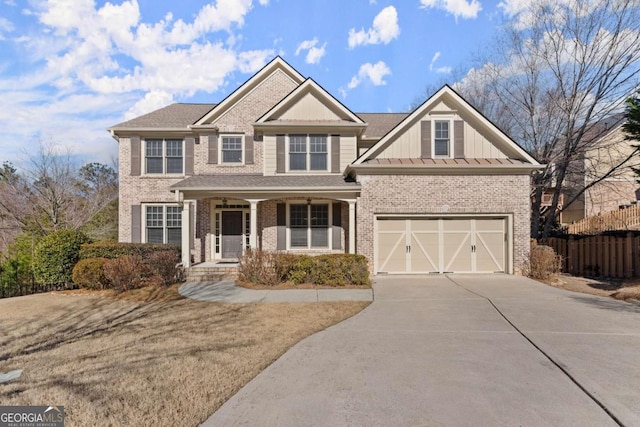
(272, 268)
(89, 274)
(56, 255)
(111, 250)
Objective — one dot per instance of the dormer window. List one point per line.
(442, 139)
(308, 152)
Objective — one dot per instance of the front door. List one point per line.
(232, 234)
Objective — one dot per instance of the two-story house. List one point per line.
(606, 170)
(281, 164)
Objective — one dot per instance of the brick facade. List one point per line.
(433, 194)
(464, 193)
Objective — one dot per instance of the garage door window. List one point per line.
(308, 226)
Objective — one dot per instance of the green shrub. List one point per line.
(269, 268)
(89, 274)
(126, 272)
(328, 270)
(294, 268)
(163, 264)
(112, 250)
(56, 255)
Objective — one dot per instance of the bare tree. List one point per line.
(560, 69)
(53, 192)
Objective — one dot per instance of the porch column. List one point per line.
(352, 226)
(253, 236)
(186, 234)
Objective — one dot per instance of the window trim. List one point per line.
(165, 228)
(220, 151)
(308, 153)
(164, 172)
(449, 120)
(309, 247)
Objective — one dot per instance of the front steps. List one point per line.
(209, 272)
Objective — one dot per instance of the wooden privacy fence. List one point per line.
(601, 255)
(627, 218)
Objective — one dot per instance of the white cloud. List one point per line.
(10, 2)
(439, 70)
(458, 8)
(433, 60)
(5, 27)
(385, 28)
(314, 53)
(91, 66)
(375, 73)
(151, 101)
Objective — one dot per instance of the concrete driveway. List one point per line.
(457, 350)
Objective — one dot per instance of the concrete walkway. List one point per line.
(228, 292)
(456, 351)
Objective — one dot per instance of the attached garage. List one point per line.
(443, 244)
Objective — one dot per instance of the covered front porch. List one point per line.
(224, 215)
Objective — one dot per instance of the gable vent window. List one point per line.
(164, 156)
(308, 153)
(232, 149)
(441, 139)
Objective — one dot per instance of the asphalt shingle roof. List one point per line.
(179, 116)
(381, 123)
(172, 116)
(261, 182)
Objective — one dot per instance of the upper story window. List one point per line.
(308, 152)
(164, 156)
(442, 139)
(231, 149)
(163, 224)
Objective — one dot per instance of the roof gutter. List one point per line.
(270, 189)
(445, 168)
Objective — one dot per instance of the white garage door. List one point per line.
(441, 245)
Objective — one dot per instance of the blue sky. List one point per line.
(71, 68)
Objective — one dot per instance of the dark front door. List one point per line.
(231, 234)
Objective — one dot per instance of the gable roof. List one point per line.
(276, 64)
(342, 115)
(178, 116)
(446, 92)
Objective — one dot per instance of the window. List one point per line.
(308, 152)
(441, 139)
(231, 149)
(163, 156)
(309, 226)
(163, 224)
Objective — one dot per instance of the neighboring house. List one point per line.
(280, 164)
(606, 149)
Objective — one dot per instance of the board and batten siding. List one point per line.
(348, 151)
(407, 144)
(476, 146)
(309, 108)
(270, 158)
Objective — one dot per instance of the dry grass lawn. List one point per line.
(627, 290)
(168, 362)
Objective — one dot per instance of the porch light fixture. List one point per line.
(224, 203)
(308, 200)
